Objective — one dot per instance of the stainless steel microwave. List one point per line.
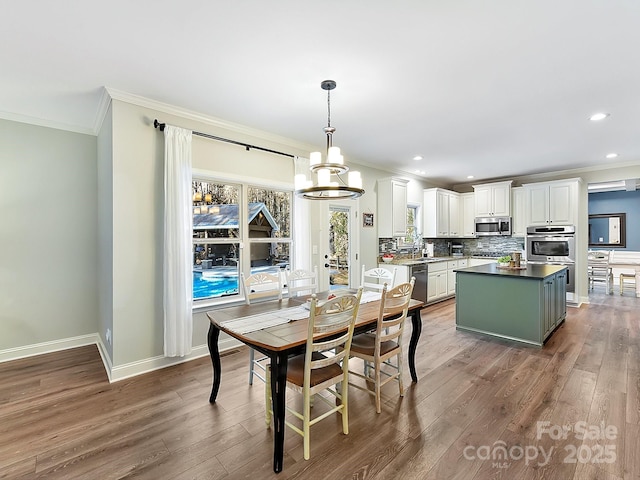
(493, 226)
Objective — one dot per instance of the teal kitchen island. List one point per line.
(524, 305)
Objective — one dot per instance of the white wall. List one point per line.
(105, 233)
(48, 239)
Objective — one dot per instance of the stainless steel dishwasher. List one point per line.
(420, 272)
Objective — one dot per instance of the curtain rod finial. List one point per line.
(157, 124)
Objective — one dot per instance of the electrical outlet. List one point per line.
(108, 336)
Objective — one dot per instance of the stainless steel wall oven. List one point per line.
(555, 245)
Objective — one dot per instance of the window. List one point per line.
(216, 239)
(269, 229)
(413, 231)
(226, 217)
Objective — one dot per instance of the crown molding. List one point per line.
(101, 113)
(206, 119)
(41, 122)
(556, 174)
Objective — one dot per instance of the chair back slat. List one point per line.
(302, 281)
(599, 270)
(331, 325)
(261, 285)
(375, 278)
(394, 307)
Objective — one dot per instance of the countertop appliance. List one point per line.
(554, 245)
(420, 272)
(493, 226)
(456, 249)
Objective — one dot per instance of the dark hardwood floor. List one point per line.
(482, 409)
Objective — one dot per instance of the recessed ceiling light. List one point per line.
(469, 176)
(418, 157)
(598, 116)
(420, 172)
(612, 155)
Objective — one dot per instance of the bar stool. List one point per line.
(627, 280)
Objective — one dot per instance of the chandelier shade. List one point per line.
(324, 188)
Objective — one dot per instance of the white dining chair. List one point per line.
(375, 278)
(324, 366)
(260, 286)
(377, 348)
(599, 270)
(301, 281)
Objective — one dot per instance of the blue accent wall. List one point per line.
(620, 202)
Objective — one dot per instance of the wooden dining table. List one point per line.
(282, 341)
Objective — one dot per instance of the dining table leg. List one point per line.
(278, 398)
(416, 323)
(214, 352)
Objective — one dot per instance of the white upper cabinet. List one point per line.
(493, 199)
(468, 214)
(550, 203)
(519, 211)
(441, 213)
(392, 207)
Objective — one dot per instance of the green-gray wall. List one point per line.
(48, 237)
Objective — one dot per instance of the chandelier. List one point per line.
(325, 188)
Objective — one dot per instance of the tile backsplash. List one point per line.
(488, 245)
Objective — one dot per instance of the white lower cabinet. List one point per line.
(441, 277)
(441, 281)
(437, 281)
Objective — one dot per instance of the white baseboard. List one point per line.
(104, 355)
(48, 347)
(119, 372)
(128, 370)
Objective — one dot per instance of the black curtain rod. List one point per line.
(157, 124)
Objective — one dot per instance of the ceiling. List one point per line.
(486, 88)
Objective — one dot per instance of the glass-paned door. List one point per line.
(339, 257)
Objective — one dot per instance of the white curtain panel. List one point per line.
(178, 224)
(302, 225)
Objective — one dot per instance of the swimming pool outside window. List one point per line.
(228, 217)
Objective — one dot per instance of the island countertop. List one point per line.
(533, 271)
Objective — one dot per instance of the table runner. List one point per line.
(261, 321)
